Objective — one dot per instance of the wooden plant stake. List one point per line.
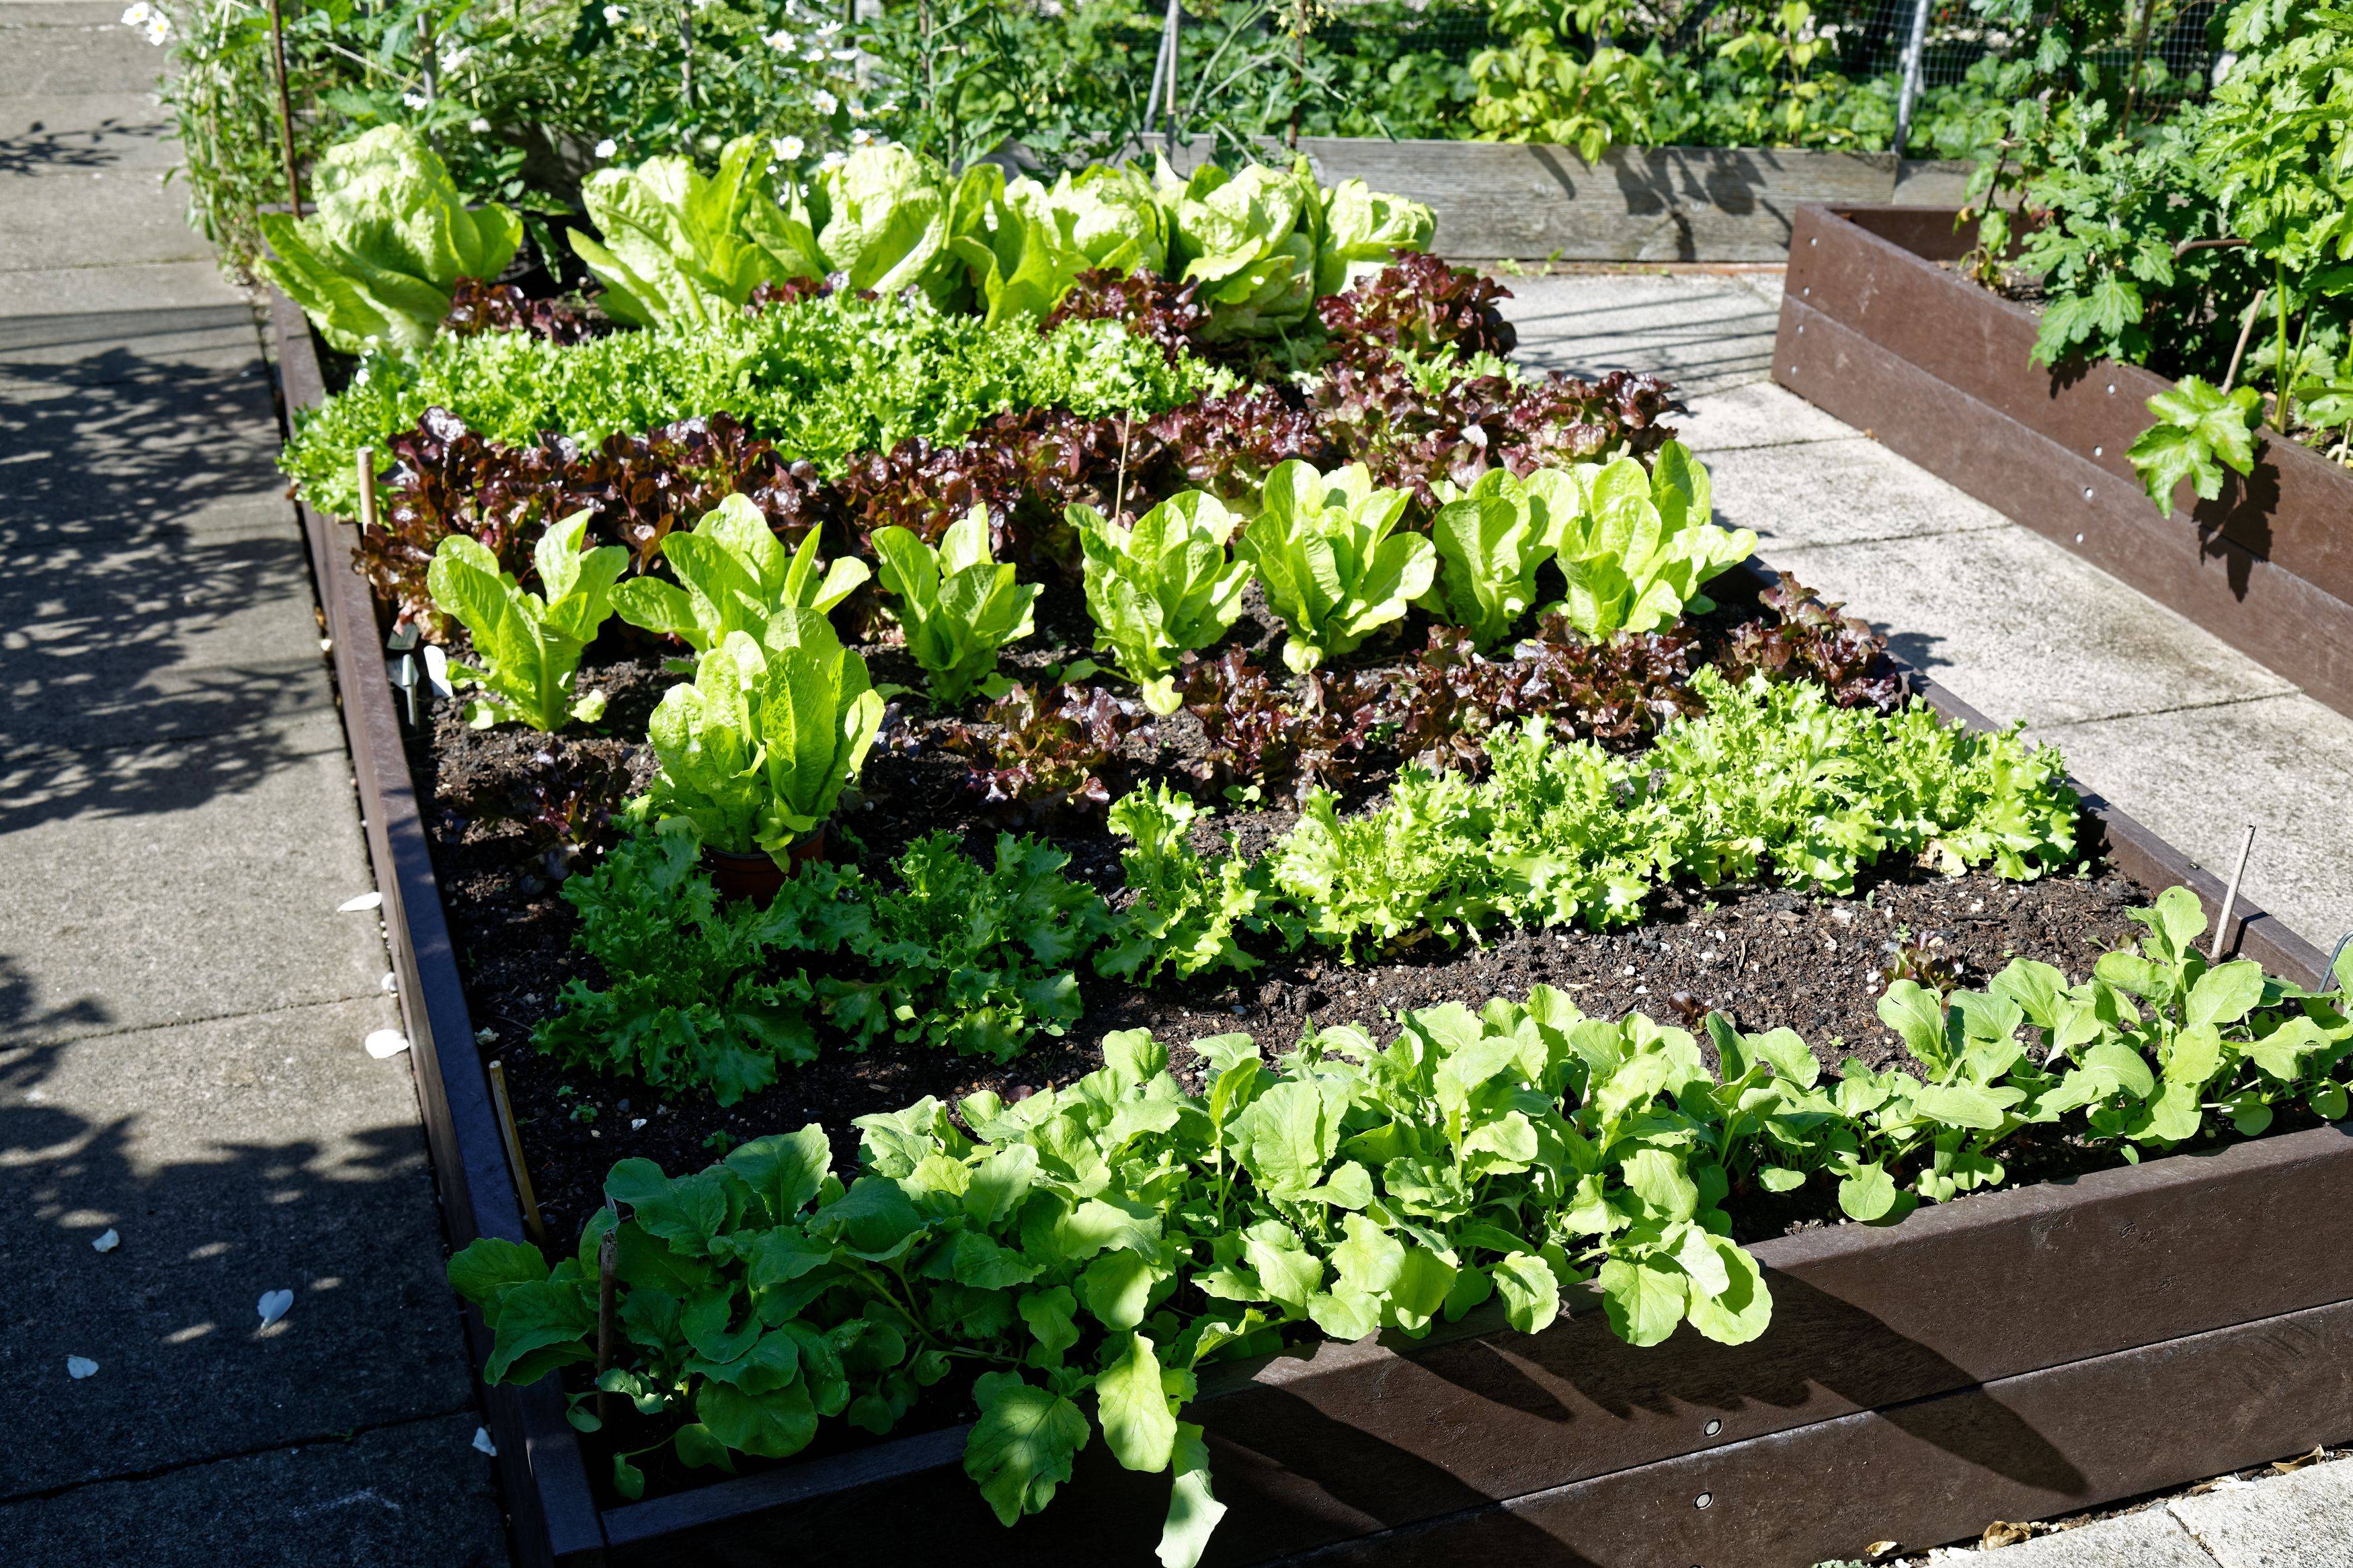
(605, 1254)
(514, 1153)
(285, 114)
(364, 461)
(2231, 897)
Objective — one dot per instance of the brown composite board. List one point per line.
(2290, 511)
(2046, 1443)
(2258, 606)
(1345, 1441)
(555, 1516)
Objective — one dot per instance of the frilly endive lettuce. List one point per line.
(374, 265)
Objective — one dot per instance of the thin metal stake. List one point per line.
(364, 461)
(1911, 88)
(531, 1220)
(404, 675)
(2231, 897)
(605, 1250)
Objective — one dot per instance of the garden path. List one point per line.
(2189, 735)
(182, 1005)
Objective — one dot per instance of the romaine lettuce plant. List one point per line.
(680, 249)
(887, 219)
(375, 265)
(1162, 588)
(1490, 541)
(1334, 566)
(958, 604)
(529, 647)
(734, 574)
(1635, 546)
(756, 752)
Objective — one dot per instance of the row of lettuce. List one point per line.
(1075, 1258)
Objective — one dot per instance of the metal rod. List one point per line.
(2140, 53)
(1159, 75)
(364, 461)
(285, 114)
(1168, 99)
(2231, 897)
(531, 1220)
(1910, 90)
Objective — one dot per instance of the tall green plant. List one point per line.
(1335, 567)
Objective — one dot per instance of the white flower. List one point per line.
(860, 137)
(605, 148)
(828, 29)
(613, 15)
(415, 100)
(710, 143)
(825, 103)
(845, 53)
(456, 58)
(832, 160)
(815, 56)
(789, 148)
(478, 127)
(782, 39)
(159, 30)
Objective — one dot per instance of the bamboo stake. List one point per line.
(364, 461)
(2245, 328)
(2231, 897)
(514, 1153)
(285, 113)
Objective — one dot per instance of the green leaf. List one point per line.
(786, 1169)
(1642, 1297)
(769, 1425)
(1531, 1293)
(1139, 1421)
(489, 1265)
(1868, 1194)
(1193, 1513)
(1118, 1286)
(2227, 993)
(1020, 1448)
(539, 1325)
(2199, 430)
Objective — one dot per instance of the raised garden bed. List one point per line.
(2019, 1354)
(1528, 202)
(1876, 330)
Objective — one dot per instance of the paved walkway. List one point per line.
(2189, 735)
(2302, 1520)
(181, 1003)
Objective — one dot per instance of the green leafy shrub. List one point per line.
(1185, 909)
(733, 574)
(374, 265)
(958, 604)
(529, 647)
(977, 961)
(1161, 588)
(688, 1001)
(827, 378)
(1635, 546)
(756, 752)
(1335, 569)
(682, 249)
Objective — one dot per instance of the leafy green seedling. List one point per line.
(1161, 588)
(530, 647)
(958, 604)
(1335, 569)
(735, 574)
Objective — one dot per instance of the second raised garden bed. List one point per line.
(1876, 330)
(2016, 1354)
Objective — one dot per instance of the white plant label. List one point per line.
(384, 1043)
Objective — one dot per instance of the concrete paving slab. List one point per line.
(110, 131)
(413, 1496)
(154, 884)
(148, 444)
(2149, 1539)
(1844, 491)
(2198, 776)
(232, 1158)
(164, 638)
(2302, 1520)
(69, 51)
(1703, 331)
(1755, 414)
(105, 348)
(51, 291)
(96, 217)
(2022, 629)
